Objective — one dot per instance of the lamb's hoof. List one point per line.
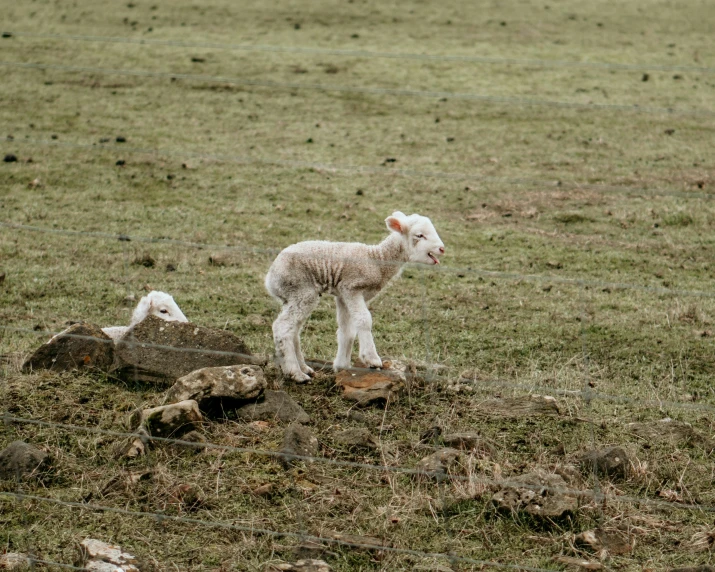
(299, 377)
(339, 366)
(309, 371)
(372, 363)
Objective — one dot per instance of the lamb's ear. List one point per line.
(396, 222)
(142, 310)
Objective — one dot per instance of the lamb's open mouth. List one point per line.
(433, 257)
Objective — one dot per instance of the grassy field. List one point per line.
(579, 238)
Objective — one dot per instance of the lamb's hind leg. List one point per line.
(307, 370)
(286, 329)
(346, 336)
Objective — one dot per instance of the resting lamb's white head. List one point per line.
(159, 304)
(420, 237)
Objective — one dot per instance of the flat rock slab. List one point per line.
(469, 442)
(172, 420)
(273, 406)
(156, 351)
(605, 542)
(520, 407)
(20, 460)
(82, 346)
(439, 463)
(101, 556)
(308, 565)
(667, 431)
(219, 389)
(358, 438)
(299, 441)
(368, 387)
(611, 462)
(538, 494)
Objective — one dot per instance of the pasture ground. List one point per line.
(525, 195)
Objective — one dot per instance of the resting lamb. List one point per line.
(352, 272)
(159, 304)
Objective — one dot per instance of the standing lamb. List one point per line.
(352, 272)
(159, 304)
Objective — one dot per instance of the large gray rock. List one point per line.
(273, 406)
(156, 351)
(172, 420)
(538, 493)
(20, 460)
(219, 389)
(298, 441)
(82, 346)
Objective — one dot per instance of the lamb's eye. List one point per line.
(420, 235)
(164, 311)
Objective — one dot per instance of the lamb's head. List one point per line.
(159, 304)
(421, 240)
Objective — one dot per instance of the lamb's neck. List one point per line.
(392, 251)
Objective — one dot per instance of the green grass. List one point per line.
(525, 197)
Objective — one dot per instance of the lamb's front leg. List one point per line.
(362, 321)
(346, 336)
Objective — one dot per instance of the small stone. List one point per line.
(578, 563)
(273, 406)
(263, 490)
(357, 416)
(135, 446)
(169, 420)
(10, 158)
(537, 493)
(121, 139)
(605, 541)
(82, 346)
(367, 387)
(611, 462)
(298, 440)
(19, 460)
(188, 497)
(469, 442)
(95, 553)
(145, 260)
(307, 565)
(15, 561)
(439, 463)
(219, 389)
(358, 438)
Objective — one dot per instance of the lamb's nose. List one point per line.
(441, 249)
